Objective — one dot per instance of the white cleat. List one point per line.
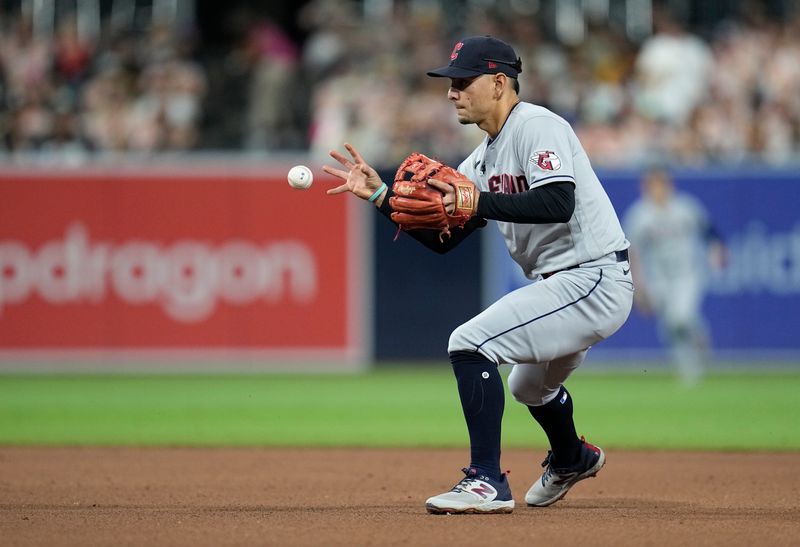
(473, 494)
(555, 482)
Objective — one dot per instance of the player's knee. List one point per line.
(526, 393)
(459, 341)
(679, 331)
(529, 393)
(528, 397)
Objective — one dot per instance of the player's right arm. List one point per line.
(431, 238)
(360, 179)
(363, 181)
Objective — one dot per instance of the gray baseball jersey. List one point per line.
(668, 238)
(545, 329)
(536, 147)
(669, 241)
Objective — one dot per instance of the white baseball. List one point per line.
(300, 177)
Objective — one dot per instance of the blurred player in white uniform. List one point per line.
(536, 181)
(673, 243)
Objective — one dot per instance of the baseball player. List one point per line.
(532, 176)
(671, 232)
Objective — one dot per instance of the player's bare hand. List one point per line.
(359, 178)
(449, 196)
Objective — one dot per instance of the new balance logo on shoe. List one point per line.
(474, 494)
(483, 490)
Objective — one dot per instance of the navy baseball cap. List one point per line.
(478, 55)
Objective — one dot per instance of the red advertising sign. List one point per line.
(176, 264)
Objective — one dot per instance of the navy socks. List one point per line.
(556, 419)
(480, 388)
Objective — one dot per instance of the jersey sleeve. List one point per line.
(549, 204)
(545, 150)
(466, 169)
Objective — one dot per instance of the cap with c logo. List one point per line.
(478, 55)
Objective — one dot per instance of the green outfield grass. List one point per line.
(396, 407)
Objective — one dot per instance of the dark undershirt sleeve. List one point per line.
(551, 203)
(430, 238)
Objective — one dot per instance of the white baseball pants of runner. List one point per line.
(545, 329)
(677, 301)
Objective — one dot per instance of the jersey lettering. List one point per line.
(508, 184)
(535, 148)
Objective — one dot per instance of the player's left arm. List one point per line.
(548, 204)
(544, 150)
(431, 238)
(545, 155)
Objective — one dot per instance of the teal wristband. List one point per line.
(377, 193)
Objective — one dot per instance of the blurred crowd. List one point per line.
(65, 98)
(730, 95)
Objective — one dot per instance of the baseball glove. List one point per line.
(417, 205)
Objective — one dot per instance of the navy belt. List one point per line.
(621, 256)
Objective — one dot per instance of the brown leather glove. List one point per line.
(418, 206)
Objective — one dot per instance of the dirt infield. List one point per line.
(329, 497)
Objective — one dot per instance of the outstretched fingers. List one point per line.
(358, 176)
(338, 189)
(341, 158)
(338, 173)
(354, 153)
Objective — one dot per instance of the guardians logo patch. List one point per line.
(546, 160)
